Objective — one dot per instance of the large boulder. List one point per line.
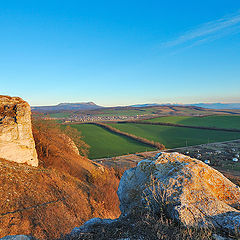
(16, 139)
(184, 188)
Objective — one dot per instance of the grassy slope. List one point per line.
(103, 143)
(45, 202)
(173, 137)
(220, 121)
(62, 193)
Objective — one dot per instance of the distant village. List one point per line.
(99, 118)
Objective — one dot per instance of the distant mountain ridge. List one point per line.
(92, 106)
(202, 105)
(217, 105)
(146, 105)
(68, 107)
(80, 103)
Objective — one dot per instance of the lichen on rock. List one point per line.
(190, 191)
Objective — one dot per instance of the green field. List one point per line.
(60, 115)
(106, 144)
(173, 137)
(219, 121)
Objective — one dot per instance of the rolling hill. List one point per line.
(218, 105)
(67, 107)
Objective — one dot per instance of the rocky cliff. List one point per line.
(16, 140)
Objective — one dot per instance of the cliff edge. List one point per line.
(16, 139)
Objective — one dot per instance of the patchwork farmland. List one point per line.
(217, 121)
(104, 143)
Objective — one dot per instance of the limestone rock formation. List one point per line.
(16, 140)
(185, 188)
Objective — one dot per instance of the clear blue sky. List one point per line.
(120, 52)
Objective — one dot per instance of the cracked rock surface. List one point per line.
(187, 189)
(16, 139)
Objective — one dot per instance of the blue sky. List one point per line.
(120, 52)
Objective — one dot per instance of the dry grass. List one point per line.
(62, 193)
(54, 152)
(149, 224)
(157, 203)
(142, 226)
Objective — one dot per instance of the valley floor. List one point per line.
(219, 154)
(171, 131)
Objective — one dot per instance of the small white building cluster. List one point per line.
(217, 152)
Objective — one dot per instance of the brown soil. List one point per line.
(64, 192)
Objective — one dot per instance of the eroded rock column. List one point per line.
(16, 139)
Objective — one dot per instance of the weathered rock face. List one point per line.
(187, 189)
(70, 143)
(16, 140)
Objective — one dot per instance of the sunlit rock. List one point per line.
(186, 189)
(16, 139)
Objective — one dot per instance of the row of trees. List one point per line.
(129, 135)
(185, 126)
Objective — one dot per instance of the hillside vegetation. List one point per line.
(65, 191)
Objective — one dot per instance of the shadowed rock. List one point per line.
(18, 237)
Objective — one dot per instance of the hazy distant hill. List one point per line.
(218, 105)
(68, 106)
(202, 105)
(92, 106)
(146, 105)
